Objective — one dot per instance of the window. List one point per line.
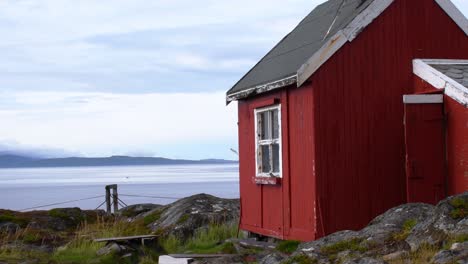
(268, 141)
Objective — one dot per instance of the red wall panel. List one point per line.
(360, 152)
(457, 146)
(301, 161)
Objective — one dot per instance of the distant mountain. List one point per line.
(14, 161)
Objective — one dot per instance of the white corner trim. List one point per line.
(454, 13)
(366, 17)
(423, 99)
(320, 57)
(429, 74)
(349, 33)
(453, 89)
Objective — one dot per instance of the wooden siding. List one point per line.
(457, 146)
(285, 210)
(360, 153)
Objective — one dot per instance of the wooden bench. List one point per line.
(129, 239)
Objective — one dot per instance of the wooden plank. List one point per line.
(201, 255)
(171, 260)
(124, 238)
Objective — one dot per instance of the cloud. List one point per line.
(101, 124)
(138, 46)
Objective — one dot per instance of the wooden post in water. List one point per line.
(108, 200)
(115, 198)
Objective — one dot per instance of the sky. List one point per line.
(140, 78)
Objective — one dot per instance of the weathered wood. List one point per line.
(201, 255)
(108, 201)
(115, 199)
(128, 238)
(171, 260)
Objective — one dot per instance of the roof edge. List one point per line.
(453, 89)
(348, 34)
(454, 13)
(261, 88)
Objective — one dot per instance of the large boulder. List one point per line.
(447, 220)
(183, 217)
(134, 210)
(392, 235)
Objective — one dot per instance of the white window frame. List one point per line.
(259, 143)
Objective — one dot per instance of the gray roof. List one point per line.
(456, 72)
(285, 59)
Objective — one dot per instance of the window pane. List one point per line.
(265, 149)
(275, 122)
(264, 131)
(276, 158)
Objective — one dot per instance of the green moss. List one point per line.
(228, 248)
(408, 225)
(9, 217)
(455, 239)
(288, 246)
(353, 245)
(151, 218)
(300, 259)
(460, 208)
(183, 219)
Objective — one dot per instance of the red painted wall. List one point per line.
(457, 146)
(456, 139)
(285, 210)
(360, 155)
(343, 137)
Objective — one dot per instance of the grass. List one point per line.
(288, 246)
(152, 217)
(460, 208)
(408, 225)
(422, 256)
(352, 245)
(205, 241)
(183, 219)
(455, 239)
(9, 217)
(82, 249)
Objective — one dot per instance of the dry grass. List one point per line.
(422, 256)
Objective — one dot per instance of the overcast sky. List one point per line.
(100, 78)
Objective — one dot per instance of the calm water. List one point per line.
(25, 188)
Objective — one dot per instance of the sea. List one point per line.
(29, 189)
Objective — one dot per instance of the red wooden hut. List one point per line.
(340, 121)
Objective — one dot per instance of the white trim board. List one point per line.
(423, 99)
(454, 13)
(453, 89)
(348, 34)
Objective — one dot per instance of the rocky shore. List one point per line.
(203, 224)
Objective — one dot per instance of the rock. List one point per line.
(364, 261)
(222, 260)
(315, 246)
(134, 210)
(113, 248)
(183, 217)
(273, 258)
(396, 255)
(439, 225)
(458, 252)
(9, 227)
(381, 232)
